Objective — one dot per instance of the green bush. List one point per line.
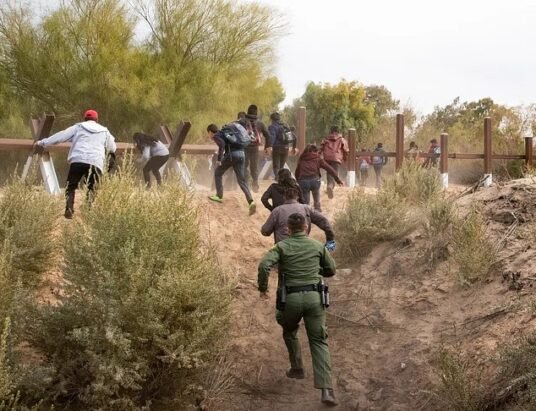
(472, 250)
(28, 218)
(145, 307)
(415, 184)
(367, 220)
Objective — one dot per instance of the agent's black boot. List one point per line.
(297, 373)
(328, 397)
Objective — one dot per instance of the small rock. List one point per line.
(403, 366)
(377, 395)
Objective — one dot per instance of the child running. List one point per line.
(155, 153)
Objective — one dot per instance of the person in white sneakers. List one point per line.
(91, 143)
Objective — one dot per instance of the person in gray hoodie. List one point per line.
(90, 144)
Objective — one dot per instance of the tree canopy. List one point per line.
(202, 60)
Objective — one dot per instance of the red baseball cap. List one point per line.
(91, 115)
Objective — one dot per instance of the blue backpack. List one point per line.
(236, 135)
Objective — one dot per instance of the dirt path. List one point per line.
(388, 319)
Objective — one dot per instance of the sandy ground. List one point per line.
(390, 313)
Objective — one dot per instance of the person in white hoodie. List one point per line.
(90, 144)
(154, 153)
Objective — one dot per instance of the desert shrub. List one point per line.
(438, 224)
(367, 220)
(472, 250)
(459, 389)
(414, 183)
(145, 306)
(27, 220)
(517, 365)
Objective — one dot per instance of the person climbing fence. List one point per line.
(154, 154)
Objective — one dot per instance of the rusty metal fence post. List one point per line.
(528, 152)
(488, 178)
(399, 141)
(350, 176)
(444, 160)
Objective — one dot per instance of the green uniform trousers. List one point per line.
(307, 305)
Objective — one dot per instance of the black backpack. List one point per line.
(284, 135)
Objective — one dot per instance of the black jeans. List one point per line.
(252, 162)
(308, 185)
(78, 171)
(331, 181)
(153, 166)
(279, 158)
(236, 160)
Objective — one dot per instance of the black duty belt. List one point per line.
(297, 289)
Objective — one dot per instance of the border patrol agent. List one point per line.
(302, 262)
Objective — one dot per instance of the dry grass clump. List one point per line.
(439, 218)
(415, 184)
(368, 220)
(145, 307)
(459, 388)
(472, 250)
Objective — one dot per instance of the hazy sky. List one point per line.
(426, 52)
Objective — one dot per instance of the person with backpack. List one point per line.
(302, 293)
(308, 174)
(231, 140)
(154, 153)
(276, 191)
(363, 163)
(334, 149)
(91, 143)
(281, 139)
(257, 129)
(378, 162)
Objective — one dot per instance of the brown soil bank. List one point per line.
(391, 313)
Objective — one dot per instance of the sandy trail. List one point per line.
(389, 317)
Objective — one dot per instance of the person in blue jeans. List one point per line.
(308, 174)
(229, 155)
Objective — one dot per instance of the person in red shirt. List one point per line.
(334, 149)
(308, 174)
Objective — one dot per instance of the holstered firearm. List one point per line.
(281, 295)
(323, 289)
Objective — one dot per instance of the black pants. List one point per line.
(153, 166)
(308, 186)
(252, 163)
(235, 159)
(331, 181)
(279, 158)
(78, 171)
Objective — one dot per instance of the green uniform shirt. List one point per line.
(303, 261)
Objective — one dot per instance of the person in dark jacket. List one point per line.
(258, 129)
(308, 174)
(277, 221)
(279, 144)
(334, 149)
(276, 191)
(229, 156)
(154, 153)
